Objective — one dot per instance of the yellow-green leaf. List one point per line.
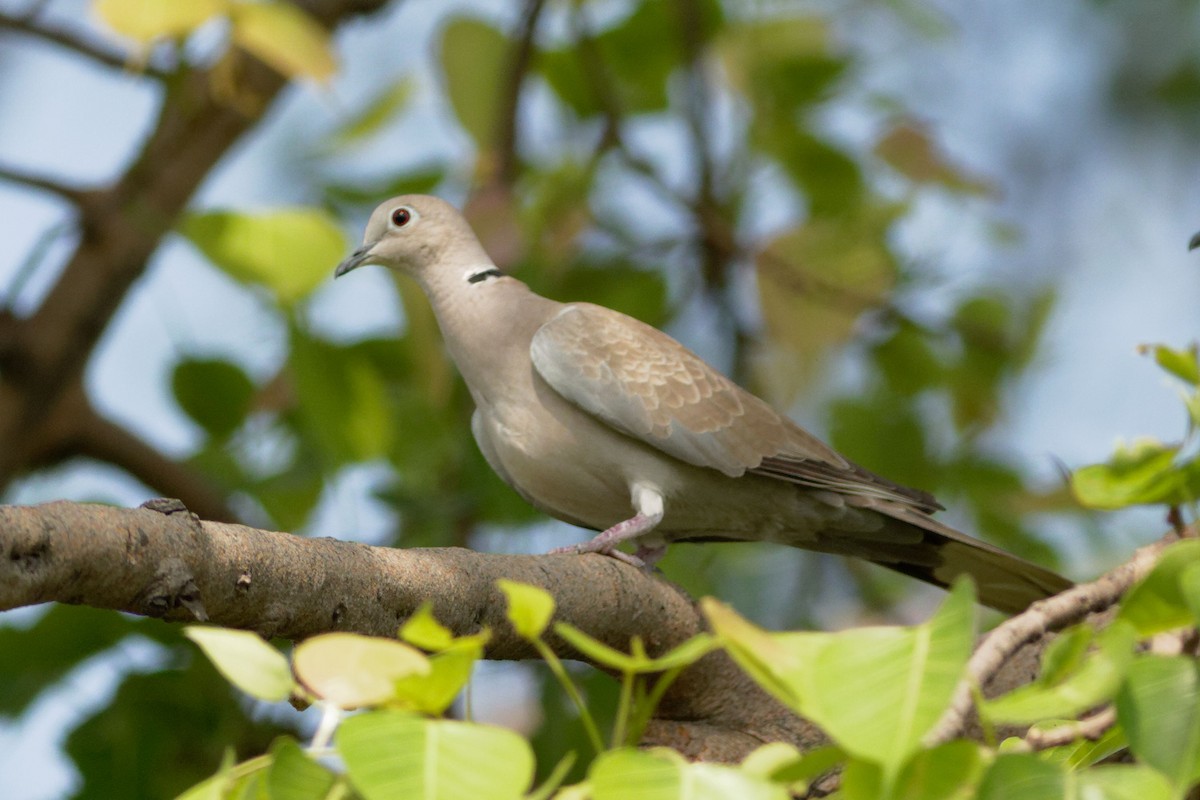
(529, 607)
(350, 670)
(249, 663)
(390, 755)
(290, 251)
(147, 20)
(289, 40)
(423, 630)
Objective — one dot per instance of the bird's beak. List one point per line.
(356, 259)
(1194, 242)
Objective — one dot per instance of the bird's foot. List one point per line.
(606, 542)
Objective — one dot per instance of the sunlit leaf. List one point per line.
(423, 630)
(1183, 364)
(875, 691)
(1159, 602)
(390, 754)
(289, 251)
(146, 20)
(285, 37)
(351, 670)
(1145, 473)
(665, 775)
(449, 672)
(878, 691)
(249, 663)
(529, 607)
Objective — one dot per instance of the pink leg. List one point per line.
(606, 542)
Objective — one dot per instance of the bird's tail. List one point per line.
(1004, 581)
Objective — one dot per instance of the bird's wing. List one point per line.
(645, 384)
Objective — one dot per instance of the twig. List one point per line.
(1040, 619)
(1090, 728)
(522, 57)
(41, 183)
(68, 40)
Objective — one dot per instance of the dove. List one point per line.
(605, 422)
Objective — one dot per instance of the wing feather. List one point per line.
(645, 384)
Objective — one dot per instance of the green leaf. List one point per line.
(1025, 776)
(1065, 654)
(909, 149)
(449, 672)
(878, 691)
(215, 394)
(946, 772)
(663, 774)
(1123, 782)
(289, 251)
(350, 670)
(813, 282)
(875, 691)
(389, 754)
(1146, 473)
(283, 36)
(637, 662)
(293, 775)
(796, 772)
(1183, 364)
(377, 113)
(1160, 601)
(1084, 752)
(1159, 708)
(473, 55)
(215, 787)
(1094, 682)
(424, 631)
(344, 402)
(529, 607)
(147, 20)
(246, 661)
(907, 361)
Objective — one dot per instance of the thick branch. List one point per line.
(121, 228)
(169, 564)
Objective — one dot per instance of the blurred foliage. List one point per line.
(835, 298)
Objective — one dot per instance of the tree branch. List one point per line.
(996, 654)
(507, 165)
(102, 439)
(121, 227)
(164, 562)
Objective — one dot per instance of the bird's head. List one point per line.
(413, 234)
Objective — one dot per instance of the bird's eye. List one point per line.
(401, 217)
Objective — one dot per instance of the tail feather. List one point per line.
(1004, 581)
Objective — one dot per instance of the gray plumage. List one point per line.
(605, 422)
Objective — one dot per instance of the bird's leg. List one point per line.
(649, 505)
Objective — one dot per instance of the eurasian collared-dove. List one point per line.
(605, 422)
